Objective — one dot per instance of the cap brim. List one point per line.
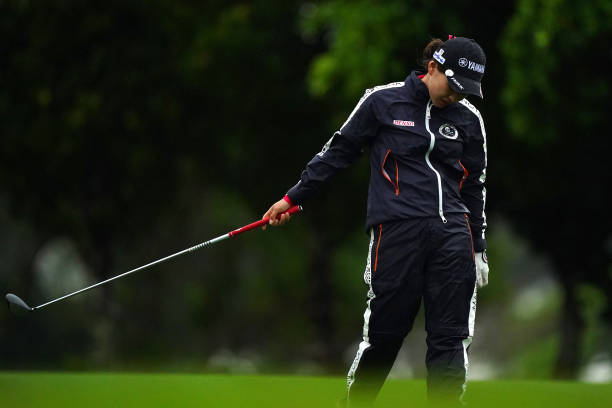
(465, 86)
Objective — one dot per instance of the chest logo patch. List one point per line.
(403, 122)
(448, 131)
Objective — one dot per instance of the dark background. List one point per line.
(131, 130)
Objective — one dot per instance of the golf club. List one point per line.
(16, 300)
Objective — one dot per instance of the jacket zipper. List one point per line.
(431, 146)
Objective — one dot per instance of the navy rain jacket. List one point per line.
(424, 161)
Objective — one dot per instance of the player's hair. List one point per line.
(429, 50)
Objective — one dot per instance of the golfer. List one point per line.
(425, 214)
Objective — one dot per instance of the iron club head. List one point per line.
(16, 300)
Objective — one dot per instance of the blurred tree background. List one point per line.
(131, 130)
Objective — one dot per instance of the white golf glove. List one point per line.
(482, 269)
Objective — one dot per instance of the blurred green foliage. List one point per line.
(555, 98)
(557, 61)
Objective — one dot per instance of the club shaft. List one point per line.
(293, 210)
(193, 248)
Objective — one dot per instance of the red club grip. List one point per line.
(293, 210)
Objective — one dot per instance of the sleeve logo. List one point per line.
(326, 146)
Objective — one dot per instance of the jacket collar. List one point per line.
(415, 87)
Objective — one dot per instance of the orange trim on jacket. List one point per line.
(377, 246)
(465, 175)
(386, 175)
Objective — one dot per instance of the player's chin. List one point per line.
(440, 104)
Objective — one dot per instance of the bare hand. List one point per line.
(273, 214)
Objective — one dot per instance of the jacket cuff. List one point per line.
(479, 244)
(288, 200)
(296, 194)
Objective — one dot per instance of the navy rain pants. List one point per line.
(410, 261)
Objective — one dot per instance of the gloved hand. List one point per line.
(482, 269)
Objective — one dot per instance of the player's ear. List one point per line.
(431, 66)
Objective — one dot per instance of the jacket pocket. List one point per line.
(389, 169)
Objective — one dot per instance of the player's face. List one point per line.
(440, 93)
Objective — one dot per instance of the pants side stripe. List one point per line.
(365, 344)
(467, 341)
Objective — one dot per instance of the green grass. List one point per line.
(25, 390)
